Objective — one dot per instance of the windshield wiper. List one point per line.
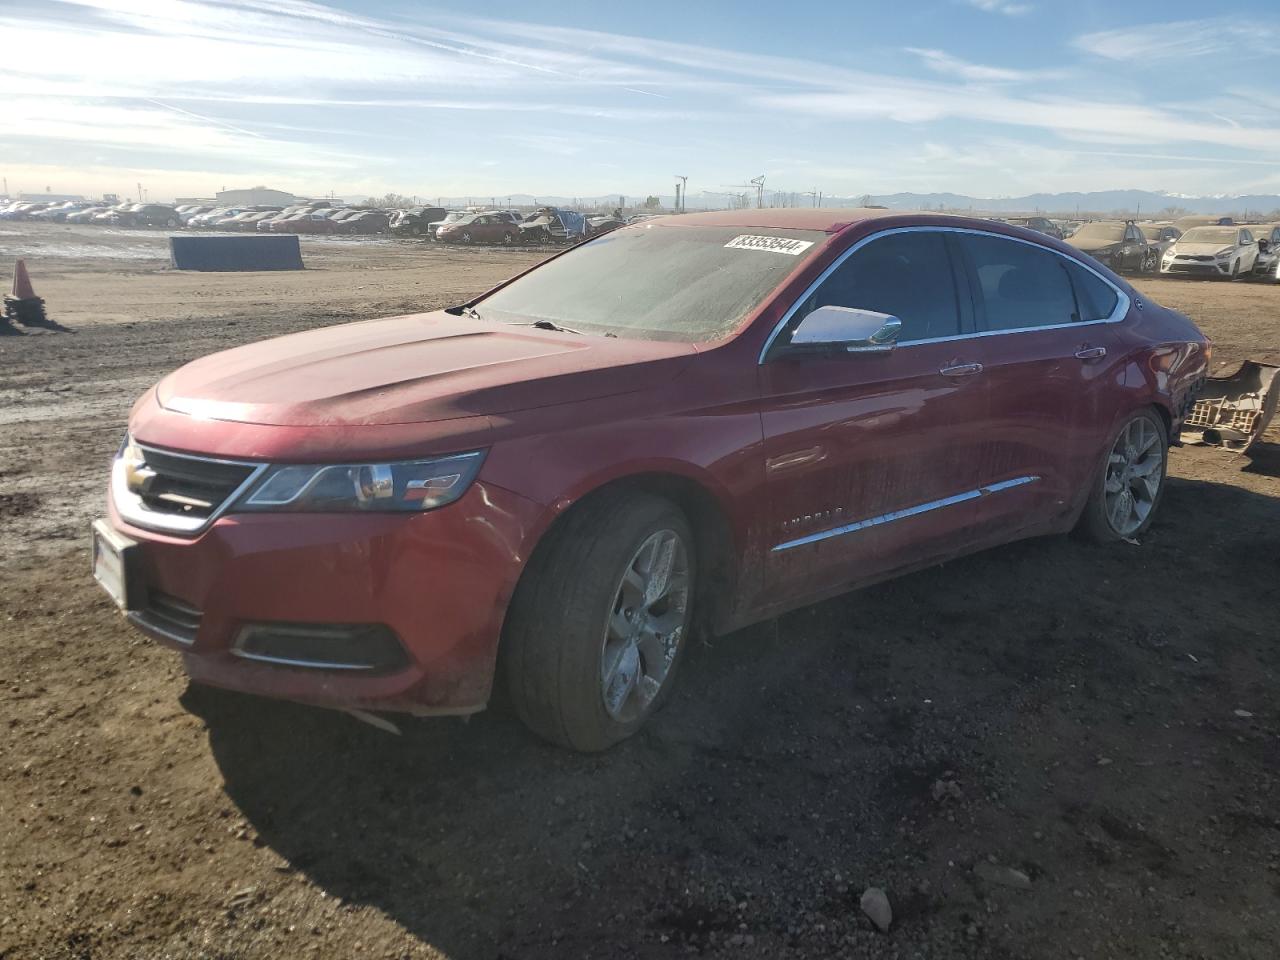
(464, 310)
(550, 325)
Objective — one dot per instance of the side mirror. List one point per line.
(1264, 246)
(848, 330)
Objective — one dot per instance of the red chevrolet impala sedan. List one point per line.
(687, 424)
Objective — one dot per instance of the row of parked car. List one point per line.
(544, 225)
(1226, 250)
(316, 217)
(547, 224)
(1221, 249)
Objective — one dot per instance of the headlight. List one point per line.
(378, 487)
(1224, 254)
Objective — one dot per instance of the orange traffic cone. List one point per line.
(22, 304)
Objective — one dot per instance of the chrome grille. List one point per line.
(176, 492)
(183, 485)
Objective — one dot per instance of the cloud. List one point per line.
(944, 63)
(294, 88)
(1181, 40)
(1010, 8)
(1071, 117)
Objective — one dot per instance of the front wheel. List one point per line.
(599, 621)
(1128, 486)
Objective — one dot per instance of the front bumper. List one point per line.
(1196, 268)
(1267, 267)
(438, 581)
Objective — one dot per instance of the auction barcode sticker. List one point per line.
(770, 244)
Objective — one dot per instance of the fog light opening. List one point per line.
(368, 648)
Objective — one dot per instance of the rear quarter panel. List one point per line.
(1166, 360)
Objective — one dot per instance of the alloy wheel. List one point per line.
(646, 626)
(1134, 474)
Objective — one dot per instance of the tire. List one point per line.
(171, 223)
(1099, 521)
(465, 237)
(574, 608)
(508, 238)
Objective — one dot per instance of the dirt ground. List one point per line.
(1103, 721)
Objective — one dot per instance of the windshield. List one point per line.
(1113, 232)
(657, 281)
(1223, 235)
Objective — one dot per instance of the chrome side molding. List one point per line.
(902, 514)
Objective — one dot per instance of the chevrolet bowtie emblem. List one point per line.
(137, 475)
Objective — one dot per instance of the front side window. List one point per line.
(907, 275)
(1021, 285)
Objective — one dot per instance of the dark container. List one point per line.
(236, 253)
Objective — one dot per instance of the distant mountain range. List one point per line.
(1134, 202)
(1101, 201)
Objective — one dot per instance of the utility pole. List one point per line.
(758, 182)
(682, 193)
(139, 193)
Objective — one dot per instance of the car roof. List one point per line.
(830, 220)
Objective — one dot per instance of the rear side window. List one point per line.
(1097, 299)
(1021, 285)
(907, 275)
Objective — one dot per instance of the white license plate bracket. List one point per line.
(115, 565)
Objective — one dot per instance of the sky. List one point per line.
(987, 98)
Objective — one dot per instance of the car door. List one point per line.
(1135, 248)
(870, 460)
(1046, 339)
(1248, 251)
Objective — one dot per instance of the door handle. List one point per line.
(1091, 353)
(961, 370)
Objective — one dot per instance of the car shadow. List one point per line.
(1264, 458)
(780, 775)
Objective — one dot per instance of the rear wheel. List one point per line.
(1130, 483)
(599, 621)
(508, 237)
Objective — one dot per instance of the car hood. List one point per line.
(1090, 245)
(1200, 249)
(414, 369)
